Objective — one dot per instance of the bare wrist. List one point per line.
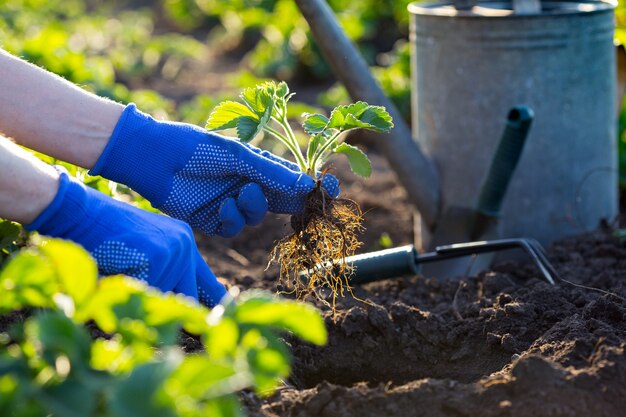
(27, 185)
(45, 112)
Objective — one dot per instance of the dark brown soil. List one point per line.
(503, 343)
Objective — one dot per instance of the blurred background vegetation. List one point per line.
(137, 50)
(178, 58)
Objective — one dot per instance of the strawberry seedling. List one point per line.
(325, 233)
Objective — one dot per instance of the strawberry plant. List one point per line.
(325, 233)
(51, 365)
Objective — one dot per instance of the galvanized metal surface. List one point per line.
(470, 67)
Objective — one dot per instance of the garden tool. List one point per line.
(460, 224)
(405, 260)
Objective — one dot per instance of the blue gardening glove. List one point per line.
(212, 182)
(126, 240)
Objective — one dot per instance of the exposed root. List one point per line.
(313, 256)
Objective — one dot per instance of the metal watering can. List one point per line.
(472, 61)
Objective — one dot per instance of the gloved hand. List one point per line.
(212, 182)
(126, 240)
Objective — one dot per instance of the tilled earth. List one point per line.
(503, 343)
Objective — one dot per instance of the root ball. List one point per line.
(313, 256)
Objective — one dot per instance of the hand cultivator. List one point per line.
(404, 260)
(448, 260)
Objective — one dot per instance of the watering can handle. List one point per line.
(505, 160)
(465, 4)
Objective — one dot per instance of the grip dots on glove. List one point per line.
(205, 298)
(115, 257)
(197, 199)
(331, 184)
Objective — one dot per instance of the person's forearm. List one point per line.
(44, 112)
(27, 185)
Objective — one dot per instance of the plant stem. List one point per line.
(285, 124)
(320, 151)
(292, 146)
(287, 128)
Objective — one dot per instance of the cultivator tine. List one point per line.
(543, 260)
(530, 246)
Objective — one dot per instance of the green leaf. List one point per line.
(222, 339)
(314, 143)
(360, 115)
(299, 318)
(262, 101)
(258, 99)
(27, 281)
(9, 233)
(359, 163)
(248, 128)
(59, 335)
(282, 89)
(314, 123)
(112, 291)
(337, 119)
(163, 309)
(111, 355)
(70, 398)
(227, 114)
(224, 406)
(200, 376)
(135, 396)
(269, 362)
(74, 268)
(259, 103)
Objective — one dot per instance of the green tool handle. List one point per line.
(505, 161)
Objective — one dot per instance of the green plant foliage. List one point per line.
(11, 238)
(359, 162)
(279, 44)
(50, 365)
(283, 46)
(266, 105)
